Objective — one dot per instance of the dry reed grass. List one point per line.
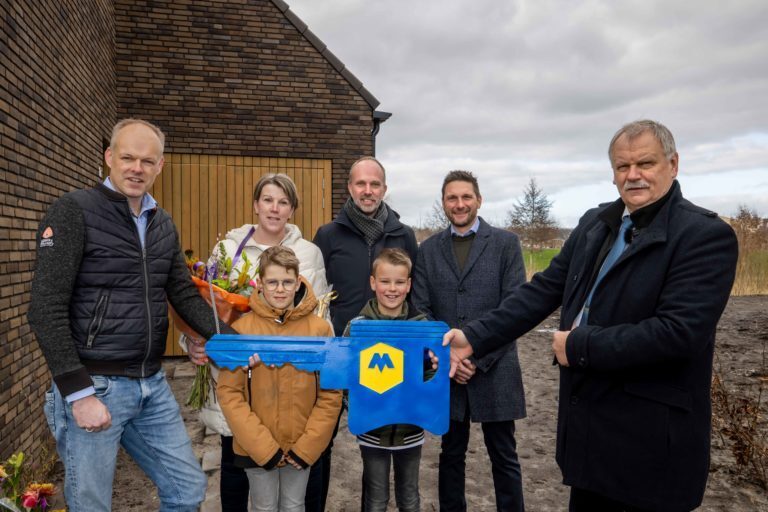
(751, 272)
(752, 268)
(738, 417)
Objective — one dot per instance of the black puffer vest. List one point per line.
(119, 313)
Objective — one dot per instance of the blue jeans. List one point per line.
(146, 422)
(376, 463)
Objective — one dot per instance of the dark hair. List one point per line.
(393, 256)
(280, 256)
(459, 175)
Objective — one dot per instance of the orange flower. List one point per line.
(35, 494)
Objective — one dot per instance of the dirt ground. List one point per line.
(741, 357)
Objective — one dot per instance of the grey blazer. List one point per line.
(494, 267)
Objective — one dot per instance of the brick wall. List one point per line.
(229, 77)
(238, 78)
(57, 102)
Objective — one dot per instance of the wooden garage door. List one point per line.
(207, 195)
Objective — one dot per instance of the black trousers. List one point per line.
(317, 485)
(588, 501)
(500, 442)
(233, 487)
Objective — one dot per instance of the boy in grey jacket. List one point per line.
(401, 444)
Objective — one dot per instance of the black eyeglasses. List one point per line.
(288, 284)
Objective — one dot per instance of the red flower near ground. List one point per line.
(35, 495)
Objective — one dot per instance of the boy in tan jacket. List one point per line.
(280, 418)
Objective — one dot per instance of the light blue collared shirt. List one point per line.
(473, 229)
(577, 320)
(148, 204)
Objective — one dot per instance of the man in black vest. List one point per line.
(642, 282)
(108, 260)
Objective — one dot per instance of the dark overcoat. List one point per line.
(493, 269)
(348, 260)
(634, 407)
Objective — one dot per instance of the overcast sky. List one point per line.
(536, 88)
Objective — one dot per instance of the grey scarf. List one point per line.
(372, 227)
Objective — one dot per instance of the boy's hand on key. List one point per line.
(434, 360)
(253, 360)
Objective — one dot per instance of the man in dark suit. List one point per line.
(642, 283)
(363, 227)
(461, 273)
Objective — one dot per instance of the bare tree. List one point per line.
(530, 216)
(435, 219)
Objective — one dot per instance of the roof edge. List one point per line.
(321, 47)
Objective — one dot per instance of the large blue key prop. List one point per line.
(381, 364)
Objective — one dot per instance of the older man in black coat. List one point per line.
(641, 298)
(460, 273)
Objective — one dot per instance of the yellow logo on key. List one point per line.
(381, 367)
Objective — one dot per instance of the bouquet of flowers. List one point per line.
(228, 289)
(34, 496)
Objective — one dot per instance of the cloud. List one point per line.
(536, 88)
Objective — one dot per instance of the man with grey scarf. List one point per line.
(363, 227)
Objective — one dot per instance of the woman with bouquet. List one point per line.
(275, 198)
